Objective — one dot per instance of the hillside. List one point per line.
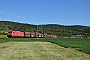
(55, 29)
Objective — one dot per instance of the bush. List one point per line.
(3, 33)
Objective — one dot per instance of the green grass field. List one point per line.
(80, 44)
(3, 36)
(44, 49)
(38, 51)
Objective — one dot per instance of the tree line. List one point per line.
(54, 29)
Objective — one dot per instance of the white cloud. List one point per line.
(11, 15)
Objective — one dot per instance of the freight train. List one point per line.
(19, 34)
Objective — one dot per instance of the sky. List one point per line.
(63, 12)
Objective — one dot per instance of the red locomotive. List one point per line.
(18, 34)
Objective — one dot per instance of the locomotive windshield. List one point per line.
(10, 32)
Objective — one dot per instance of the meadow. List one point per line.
(3, 36)
(80, 44)
(44, 49)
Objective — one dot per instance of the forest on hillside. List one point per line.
(54, 29)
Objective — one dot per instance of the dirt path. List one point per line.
(38, 51)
